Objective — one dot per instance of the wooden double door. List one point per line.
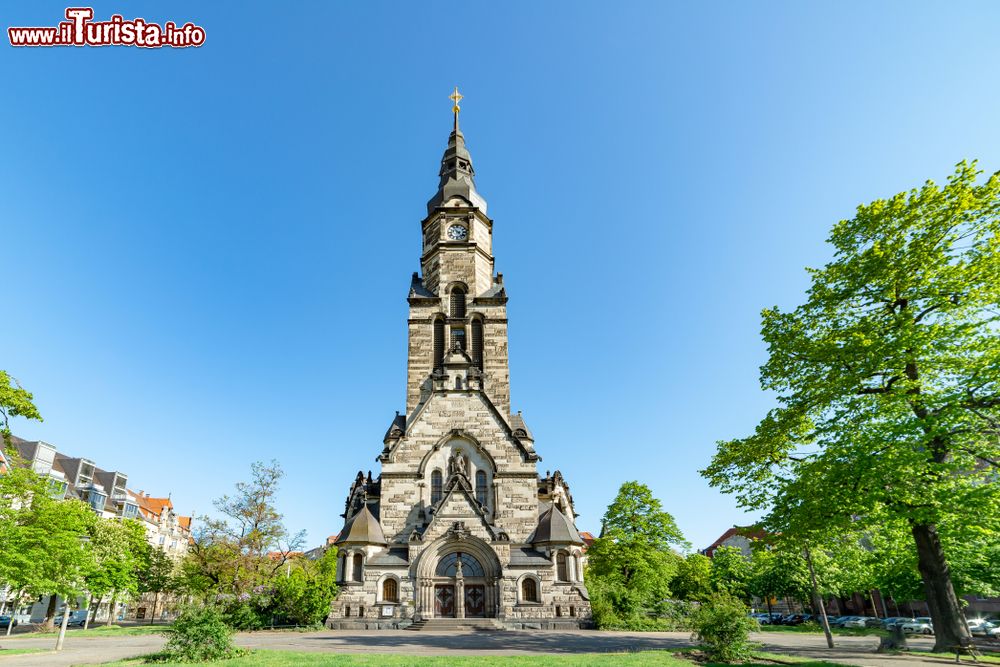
(446, 604)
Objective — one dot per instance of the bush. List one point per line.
(199, 634)
(723, 627)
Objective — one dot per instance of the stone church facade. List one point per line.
(459, 524)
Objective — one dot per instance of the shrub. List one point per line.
(723, 627)
(199, 634)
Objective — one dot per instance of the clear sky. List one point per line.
(206, 252)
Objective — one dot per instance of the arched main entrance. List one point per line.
(458, 579)
(459, 587)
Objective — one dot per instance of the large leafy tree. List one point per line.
(118, 551)
(631, 565)
(248, 543)
(693, 580)
(730, 572)
(888, 379)
(15, 401)
(156, 576)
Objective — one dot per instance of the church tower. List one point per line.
(459, 525)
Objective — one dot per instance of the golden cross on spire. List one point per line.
(457, 97)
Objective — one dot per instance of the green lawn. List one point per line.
(984, 659)
(295, 659)
(102, 631)
(4, 652)
(815, 629)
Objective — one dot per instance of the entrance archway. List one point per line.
(458, 579)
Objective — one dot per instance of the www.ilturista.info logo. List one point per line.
(80, 30)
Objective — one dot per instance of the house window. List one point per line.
(438, 343)
(481, 487)
(131, 511)
(477, 344)
(561, 570)
(458, 338)
(435, 487)
(347, 612)
(457, 302)
(390, 590)
(529, 590)
(358, 567)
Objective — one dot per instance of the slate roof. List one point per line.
(554, 527)
(418, 290)
(517, 423)
(398, 557)
(362, 528)
(528, 557)
(399, 421)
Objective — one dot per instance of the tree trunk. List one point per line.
(94, 610)
(152, 613)
(818, 606)
(50, 614)
(767, 598)
(950, 629)
(113, 610)
(13, 611)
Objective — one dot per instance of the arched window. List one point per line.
(529, 590)
(477, 343)
(561, 573)
(438, 343)
(577, 567)
(458, 337)
(390, 590)
(457, 302)
(359, 562)
(481, 487)
(448, 566)
(435, 487)
(342, 567)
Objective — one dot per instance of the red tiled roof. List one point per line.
(751, 532)
(588, 539)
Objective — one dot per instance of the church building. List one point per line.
(459, 525)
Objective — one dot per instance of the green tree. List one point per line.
(889, 383)
(693, 580)
(778, 573)
(247, 545)
(631, 565)
(118, 550)
(303, 595)
(15, 401)
(156, 576)
(730, 572)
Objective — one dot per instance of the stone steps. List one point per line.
(456, 625)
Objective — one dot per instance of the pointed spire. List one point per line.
(457, 174)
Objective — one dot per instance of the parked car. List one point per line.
(977, 626)
(5, 622)
(861, 622)
(920, 626)
(78, 617)
(794, 619)
(841, 620)
(770, 619)
(892, 621)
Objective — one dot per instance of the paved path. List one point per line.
(93, 650)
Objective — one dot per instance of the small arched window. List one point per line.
(529, 590)
(435, 487)
(577, 567)
(481, 487)
(561, 570)
(477, 343)
(359, 564)
(438, 343)
(457, 302)
(390, 590)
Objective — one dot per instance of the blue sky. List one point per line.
(207, 251)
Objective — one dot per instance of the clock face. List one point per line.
(457, 233)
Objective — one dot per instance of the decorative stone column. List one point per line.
(459, 590)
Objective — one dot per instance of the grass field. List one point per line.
(809, 628)
(4, 652)
(295, 659)
(102, 631)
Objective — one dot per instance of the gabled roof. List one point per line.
(749, 532)
(362, 528)
(554, 527)
(520, 428)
